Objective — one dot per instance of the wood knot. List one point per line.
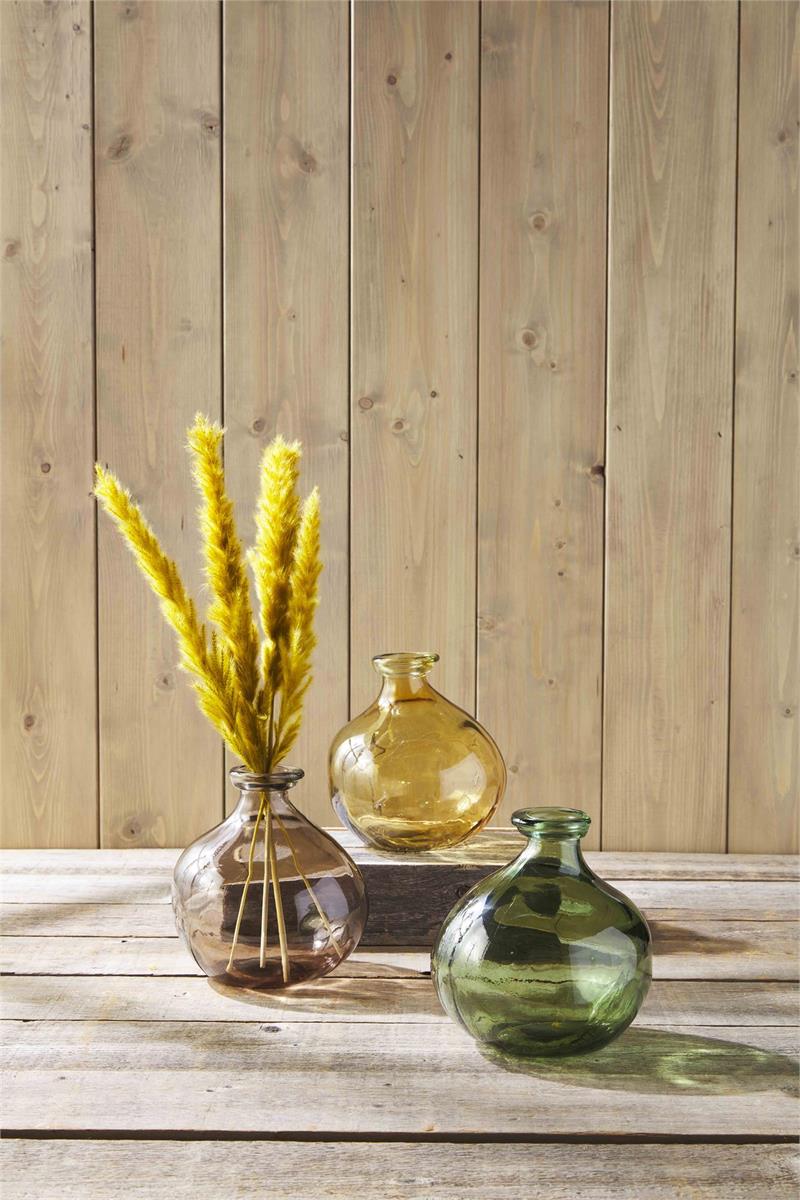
(165, 681)
(598, 471)
(344, 436)
(399, 426)
(209, 123)
(307, 163)
(539, 221)
(449, 56)
(76, 28)
(529, 339)
(391, 80)
(120, 148)
(434, 394)
(486, 623)
(258, 425)
(28, 721)
(365, 403)
(45, 468)
(12, 249)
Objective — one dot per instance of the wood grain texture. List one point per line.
(670, 355)
(157, 179)
(764, 805)
(490, 848)
(691, 949)
(414, 325)
(663, 1080)
(544, 96)
(286, 302)
(47, 620)
(45, 1169)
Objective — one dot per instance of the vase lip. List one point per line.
(551, 822)
(405, 662)
(279, 779)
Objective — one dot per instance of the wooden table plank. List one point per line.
(393, 921)
(369, 1078)
(683, 950)
(490, 848)
(91, 1170)
(405, 1000)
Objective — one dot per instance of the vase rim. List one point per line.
(405, 662)
(279, 779)
(553, 822)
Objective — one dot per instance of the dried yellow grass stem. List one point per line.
(252, 694)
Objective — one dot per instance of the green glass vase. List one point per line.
(543, 957)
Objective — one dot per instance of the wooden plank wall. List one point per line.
(524, 279)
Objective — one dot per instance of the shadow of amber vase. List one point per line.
(414, 771)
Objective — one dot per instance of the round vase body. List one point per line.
(413, 771)
(310, 915)
(543, 957)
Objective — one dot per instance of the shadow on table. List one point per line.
(656, 1061)
(392, 998)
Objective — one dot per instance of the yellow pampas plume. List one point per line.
(277, 519)
(296, 652)
(213, 682)
(225, 571)
(235, 692)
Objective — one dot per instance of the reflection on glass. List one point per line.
(413, 771)
(543, 957)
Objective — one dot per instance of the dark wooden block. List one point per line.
(411, 894)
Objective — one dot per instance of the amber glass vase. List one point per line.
(543, 957)
(413, 771)
(266, 900)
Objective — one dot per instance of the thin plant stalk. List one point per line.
(250, 859)
(273, 859)
(262, 958)
(309, 888)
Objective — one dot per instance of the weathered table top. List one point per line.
(128, 1074)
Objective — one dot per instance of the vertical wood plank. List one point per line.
(286, 309)
(765, 649)
(158, 222)
(542, 396)
(47, 621)
(414, 326)
(670, 356)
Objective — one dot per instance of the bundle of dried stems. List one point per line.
(251, 689)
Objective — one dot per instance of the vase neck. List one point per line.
(558, 856)
(554, 839)
(404, 676)
(255, 789)
(403, 687)
(250, 802)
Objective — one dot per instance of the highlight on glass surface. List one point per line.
(271, 909)
(414, 771)
(543, 957)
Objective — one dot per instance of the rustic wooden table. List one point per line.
(129, 1075)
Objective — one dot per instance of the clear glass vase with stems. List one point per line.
(266, 899)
